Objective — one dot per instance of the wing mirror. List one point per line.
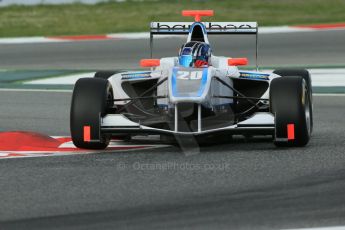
(150, 62)
(237, 61)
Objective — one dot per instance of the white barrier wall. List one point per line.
(35, 2)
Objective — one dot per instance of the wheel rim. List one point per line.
(307, 109)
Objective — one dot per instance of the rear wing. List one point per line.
(211, 27)
(182, 28)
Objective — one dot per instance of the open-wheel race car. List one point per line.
(193, 95)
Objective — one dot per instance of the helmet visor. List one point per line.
(186, 60)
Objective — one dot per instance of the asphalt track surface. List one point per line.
(238, 185)
(242, 184)
(303, 48)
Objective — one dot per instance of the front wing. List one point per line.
(261, 123)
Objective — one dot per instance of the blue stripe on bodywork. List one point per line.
(136, 75)
(254, 76)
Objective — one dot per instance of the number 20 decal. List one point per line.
(186, 75)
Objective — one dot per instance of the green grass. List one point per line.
(133, 16)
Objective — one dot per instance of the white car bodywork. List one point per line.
(219, 68)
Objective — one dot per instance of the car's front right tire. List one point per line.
(90, 100)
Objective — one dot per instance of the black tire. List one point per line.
(290, 103)
(104, 74)
(89, 102)
(288, 72)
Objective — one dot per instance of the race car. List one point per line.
(193, 95)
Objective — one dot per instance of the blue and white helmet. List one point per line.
(195, 54)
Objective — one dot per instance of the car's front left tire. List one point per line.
(290, 103)
(303, 73)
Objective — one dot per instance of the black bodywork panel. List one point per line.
(146, 112)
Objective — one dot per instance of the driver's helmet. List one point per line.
(195, 54)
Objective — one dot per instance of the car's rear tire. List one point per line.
(104, 74)
(90, 101)
(288, 72)
(291, 105)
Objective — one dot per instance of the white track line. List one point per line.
(61, 80)
(329, 94)
(320, 78)
(37, 90)
(28, 40)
